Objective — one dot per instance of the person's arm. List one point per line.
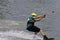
(38, 18)
(41, 16)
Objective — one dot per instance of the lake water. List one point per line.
(14, 14)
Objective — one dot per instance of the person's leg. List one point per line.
(43, 34)
(35, 33)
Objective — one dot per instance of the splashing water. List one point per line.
(18, 34)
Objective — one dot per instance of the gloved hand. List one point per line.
(44, 15)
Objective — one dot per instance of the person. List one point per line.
(31, 27)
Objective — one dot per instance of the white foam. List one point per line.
(3, 39)
(20, 34)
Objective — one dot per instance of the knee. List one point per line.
(41, 29)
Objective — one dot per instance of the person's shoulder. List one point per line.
(30, 17)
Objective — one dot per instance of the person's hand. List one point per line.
(44, 15)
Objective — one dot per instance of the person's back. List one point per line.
(30, 21)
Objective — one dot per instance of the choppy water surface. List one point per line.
(14, 14)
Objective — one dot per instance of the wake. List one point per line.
(20, 34)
